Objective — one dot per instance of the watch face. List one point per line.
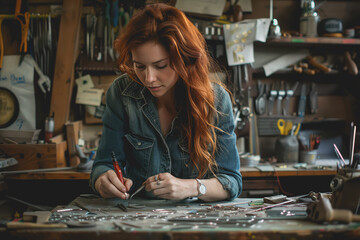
(9, 107)
(202, 189)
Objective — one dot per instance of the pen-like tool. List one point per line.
(352, 143)
(117, 168)
(338, 153)
(137, 191)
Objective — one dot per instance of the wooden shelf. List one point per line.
(315, 40)
(60, 175)
(285, 172)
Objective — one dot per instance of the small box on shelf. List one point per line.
(36, 156)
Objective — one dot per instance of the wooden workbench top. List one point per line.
(245, 171)
(285, 172)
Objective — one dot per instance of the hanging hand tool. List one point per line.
(92, 36)
(280, 97)
(24, 20)
(273, 94)
(88, 30)
(260, 101)
(313, 99)
(241, 109)
(100, 36)
(48, 47)
(281, 126)
(289, 93)
(109, 30)
(302, 102)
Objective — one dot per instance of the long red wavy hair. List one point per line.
(190, 59)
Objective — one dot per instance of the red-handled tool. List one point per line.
(117, 168)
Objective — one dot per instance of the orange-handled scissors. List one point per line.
(24, 20)
(281, 126)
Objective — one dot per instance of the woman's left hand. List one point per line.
(165, 185)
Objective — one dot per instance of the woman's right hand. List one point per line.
(108, 185)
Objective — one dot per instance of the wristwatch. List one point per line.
(201, 188)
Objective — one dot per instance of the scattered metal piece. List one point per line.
(122, 207)
(82, 224)
(136, 206)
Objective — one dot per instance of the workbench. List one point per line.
(52, 188)
(91, 217)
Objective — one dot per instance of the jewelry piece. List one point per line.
(157, 180)
(201, 188)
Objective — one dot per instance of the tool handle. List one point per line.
(313, 101)
(117, 168)
(286, 107)
(278, 106)
(271, 105)
(302, 104)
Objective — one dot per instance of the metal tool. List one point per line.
(352, 143)
(122, 207)
(302, 102)
(289, 94)
(137, 191)
(322, 211)
(273, 94)
(313, 99)
(260, 101)
(280, 97)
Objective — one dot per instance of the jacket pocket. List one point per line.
(138, 154)
(188, 170)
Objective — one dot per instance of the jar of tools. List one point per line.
(309, 19)
(287, 149)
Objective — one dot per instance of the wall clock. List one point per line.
(9, 107)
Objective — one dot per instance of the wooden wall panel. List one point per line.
(65, 60)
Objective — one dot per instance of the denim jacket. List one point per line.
(131, 128)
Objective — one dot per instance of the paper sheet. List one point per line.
(209, 7)
(239, 39)
(284, 61)
(20, 81)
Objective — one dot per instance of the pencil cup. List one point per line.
(308, 157)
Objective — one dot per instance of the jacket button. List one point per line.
(139, 143)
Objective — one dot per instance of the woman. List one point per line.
(167, 122)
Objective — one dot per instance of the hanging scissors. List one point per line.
(281, 126)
